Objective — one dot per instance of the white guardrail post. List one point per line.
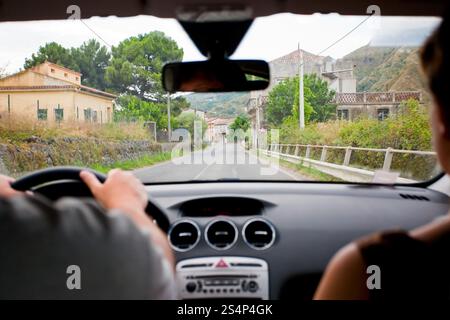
(308, 151)
(348, 155)
(323, 156)
(387, 159)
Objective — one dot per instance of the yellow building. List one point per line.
(53, 93)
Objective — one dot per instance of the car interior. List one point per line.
(244, 238)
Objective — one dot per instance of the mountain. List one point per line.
(387, 69)
(229, 104)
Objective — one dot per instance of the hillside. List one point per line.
(228, 104)
(385, 69)
(375, 69)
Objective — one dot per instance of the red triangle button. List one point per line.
(221, 264)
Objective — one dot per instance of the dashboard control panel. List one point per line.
(223, 277)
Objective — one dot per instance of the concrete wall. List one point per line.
(59, 72)
(24, 104)
(370, 111)
(30, 78)
(102, 106)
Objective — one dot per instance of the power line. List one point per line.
(345, 35)
(96, 34)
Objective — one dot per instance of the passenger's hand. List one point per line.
(121, 190)
(5, 187)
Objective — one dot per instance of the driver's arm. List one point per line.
(124, 192)
(119, 257)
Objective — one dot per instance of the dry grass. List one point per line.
(20, 129)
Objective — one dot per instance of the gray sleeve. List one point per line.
(162, 287)
(40, 240)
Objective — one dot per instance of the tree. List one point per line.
(178, 105)
(137, 63)
(241, 122)
(91, 59)
(52, 52)
(320, 98)
(283, 101)
(132, 108)
(187, 120)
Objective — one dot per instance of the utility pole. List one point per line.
(169, 129)
(301, 96)
(257, 124)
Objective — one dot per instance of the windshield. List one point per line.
(346, 102)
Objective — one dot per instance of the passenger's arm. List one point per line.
(123, 191)
(345, 277)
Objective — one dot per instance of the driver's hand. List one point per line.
(121, 190)
(5, 187)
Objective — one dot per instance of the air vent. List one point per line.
(221, 234)
(184, 235)
(258, 234)
(413, 197)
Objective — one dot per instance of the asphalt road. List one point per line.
(227, 162)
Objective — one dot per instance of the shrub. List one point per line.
(408, 129)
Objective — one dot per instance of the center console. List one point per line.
(223, 277)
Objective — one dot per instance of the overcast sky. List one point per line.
(269, 37)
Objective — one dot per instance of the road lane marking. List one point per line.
(202, 171)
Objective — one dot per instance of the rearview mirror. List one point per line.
(216, 76)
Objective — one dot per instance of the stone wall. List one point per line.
(35, 153)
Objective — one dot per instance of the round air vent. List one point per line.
(258, 234)
(184, 235)
(221, 234)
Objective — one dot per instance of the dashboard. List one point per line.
(273, 240)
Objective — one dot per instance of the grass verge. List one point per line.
(144, 161)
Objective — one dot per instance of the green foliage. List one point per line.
(290, 132)
(241, 122)
(52, 52)
(132, 108)
(178, 105)
(280, 102)
(141, 162)
(408, 129)
(284, 101)
(133, 68)
(137, 63)
(91, 59)
(187, 120)
(320, 97)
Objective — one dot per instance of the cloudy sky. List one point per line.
(269, 37)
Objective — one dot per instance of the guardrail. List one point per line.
(343, 171)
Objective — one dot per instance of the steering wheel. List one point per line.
(56, 182)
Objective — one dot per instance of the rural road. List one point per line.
(219, 161)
